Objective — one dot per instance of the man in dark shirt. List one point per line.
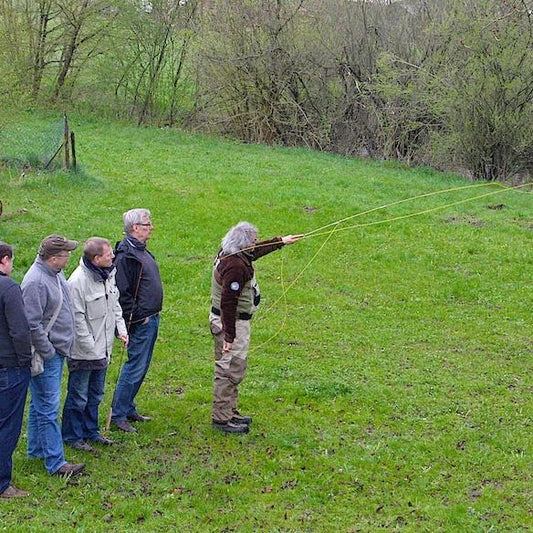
(141, 299)
(234, 298)
(15, 361)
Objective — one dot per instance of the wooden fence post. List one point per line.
(73, 148)
(66, 144)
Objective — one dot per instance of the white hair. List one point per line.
(238, 238)
(134, 216)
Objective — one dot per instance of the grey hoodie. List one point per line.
(40, 291)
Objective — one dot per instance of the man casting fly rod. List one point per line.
(234, 298)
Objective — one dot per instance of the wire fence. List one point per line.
(26, 145)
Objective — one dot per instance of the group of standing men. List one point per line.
(48, 319)
(51, 319)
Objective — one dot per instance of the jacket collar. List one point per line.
(46, 267)
(98, 273)
(138, 245)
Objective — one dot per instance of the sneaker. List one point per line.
(241, 419)
(80, 445)
(13, 492)
(69, 470)
(230, 427)
(104, 441)
(124, 425)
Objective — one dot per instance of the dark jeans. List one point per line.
(13, 389)
(140, 350)
(85, 392)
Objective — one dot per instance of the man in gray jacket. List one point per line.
(48, 308)
(97, 313)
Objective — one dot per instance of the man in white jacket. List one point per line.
(97, 315)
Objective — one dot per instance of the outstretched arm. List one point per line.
(265, 247)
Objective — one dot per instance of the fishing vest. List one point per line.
(248, 299)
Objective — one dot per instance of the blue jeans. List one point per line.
(13, 389)
(140, 350)
(85, 392)
(44, 434)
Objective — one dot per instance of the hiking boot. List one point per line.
(69, 470)
(13, 492)
(80, 445)
(241, 419)
(124, 425)
(230, 427)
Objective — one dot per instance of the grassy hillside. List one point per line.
(390, 386)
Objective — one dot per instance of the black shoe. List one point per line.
(69, 470)
(104, 441)
(80, 445)
(230, 427)
(124, 425)
(136, 417)
(241, 419)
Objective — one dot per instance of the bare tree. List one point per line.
(84, 24)
(39, 18)
(252, 69)
(152, 62)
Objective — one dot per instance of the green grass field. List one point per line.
(391, 385)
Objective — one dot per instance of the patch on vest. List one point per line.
(235, 286)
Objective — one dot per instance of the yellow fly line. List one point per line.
(286, 290)
(415, 214)
(318, 232)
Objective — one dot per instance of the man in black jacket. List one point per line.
(141, 299)
(15, 361)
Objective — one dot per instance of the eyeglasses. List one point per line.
(145, 225)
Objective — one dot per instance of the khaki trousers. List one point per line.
(229, 367)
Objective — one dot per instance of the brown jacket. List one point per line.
(232, 279)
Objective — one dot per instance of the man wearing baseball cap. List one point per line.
(48, 308)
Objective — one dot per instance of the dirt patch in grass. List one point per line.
(465, 219)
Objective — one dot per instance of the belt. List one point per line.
(240, 316)
(145, 319)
